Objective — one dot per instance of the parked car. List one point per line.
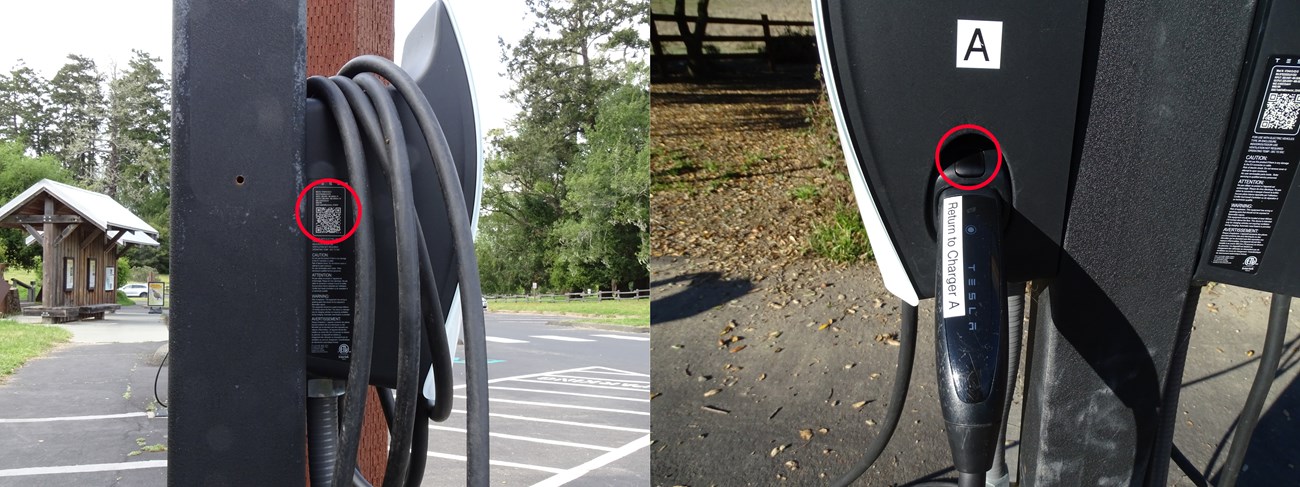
(484, 303)
(135, 290)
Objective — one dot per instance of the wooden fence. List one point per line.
(595, 296)
(775, 48)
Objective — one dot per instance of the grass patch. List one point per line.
(628, 312)
(805, 192)
(842, 238)
(21, 342)
(123, 300)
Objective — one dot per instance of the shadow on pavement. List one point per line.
(704, 291)
(1273, 450)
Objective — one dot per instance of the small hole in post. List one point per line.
(239, 180)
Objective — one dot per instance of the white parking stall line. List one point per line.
(503, 340)
(565, 406)
(557, 421)
(579, 394)
(516, 377)
(624, 337)
(499, 463)
(74, 418)
(599, 379)
(96, 467)
(531, 381)
(528, 439)
(607, 370)
(595, 463)
(562, 338)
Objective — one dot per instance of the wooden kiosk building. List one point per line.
(80, 233)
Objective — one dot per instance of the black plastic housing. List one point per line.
(1262, 228)
(433, 57)
(894, 63)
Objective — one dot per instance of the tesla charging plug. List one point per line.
(970, 313)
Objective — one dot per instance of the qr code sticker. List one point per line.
(329, 220)
(1281, 112)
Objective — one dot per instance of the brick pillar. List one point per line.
(337, 31)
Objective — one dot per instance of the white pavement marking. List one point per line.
(556, 421)
(561, 338)
(597, 379)
(607, 370)
(623, 337)
(528, 438)
(499, 463)
(514, 377)
(579, 394)
(565, 406)
(503, 340)
(637, 389)
(97, 467)
(74, 418)
(595, 463)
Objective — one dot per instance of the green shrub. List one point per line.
(842, 238)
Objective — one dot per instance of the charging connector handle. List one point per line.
(971, 321)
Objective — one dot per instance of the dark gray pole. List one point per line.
(238, 266)
(1104, 352)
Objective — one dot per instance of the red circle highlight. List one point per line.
(297, 211)
(977, 128)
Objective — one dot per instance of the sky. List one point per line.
(42, 34)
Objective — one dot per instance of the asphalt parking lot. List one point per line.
(570, 406)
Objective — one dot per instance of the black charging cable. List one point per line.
(903, 377)
(1274, 338)
(365, 111)
(897, 397)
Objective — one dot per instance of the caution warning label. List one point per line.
(1264, 175)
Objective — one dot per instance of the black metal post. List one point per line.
(1105, 362)
(237, 374)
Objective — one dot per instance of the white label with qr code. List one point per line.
(1263, 173)
(328, 203)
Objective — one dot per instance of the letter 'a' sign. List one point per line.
(979, 44)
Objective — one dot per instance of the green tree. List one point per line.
(137, 165)
(77, 109)
(24, 109)
(606, 234)
(17, 173)
(574, 56)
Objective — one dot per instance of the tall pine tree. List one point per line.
(77, 111)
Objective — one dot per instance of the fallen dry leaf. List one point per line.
(711, 392)
(738, 348)
(805, 435)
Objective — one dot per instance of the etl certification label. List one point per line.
(1265, 172)
(950, 243)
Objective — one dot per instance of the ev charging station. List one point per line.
(1115, 153)
(322, 244)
